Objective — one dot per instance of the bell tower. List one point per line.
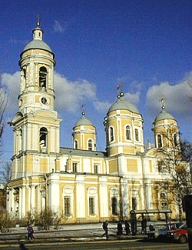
(36, 124)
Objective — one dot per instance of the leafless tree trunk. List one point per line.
(174, 165)
(3, 103)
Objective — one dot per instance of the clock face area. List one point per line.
(43, 100)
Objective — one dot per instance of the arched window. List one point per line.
(128, 132)
(175, 140)
(137, 134)
(90, 145)
(76, 144)
(43, 78)
(111, 134)
(159, 141)
(43, 139)
(163, 195)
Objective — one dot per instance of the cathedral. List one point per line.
(80, 183)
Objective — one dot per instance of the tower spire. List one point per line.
(163, 103)
(82, 107)
(38, 32)
(38, 21)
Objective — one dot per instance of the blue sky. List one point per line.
(145, 44)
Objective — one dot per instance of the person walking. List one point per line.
(127, 227)
(119, 229)
(30, 232)
(105, 228)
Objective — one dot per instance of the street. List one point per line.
(93, 245)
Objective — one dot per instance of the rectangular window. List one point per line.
(134, 203)
(95, 169)
(114, 206)
(91, 206)
(136, 134)
(74, 167)
(67, 206)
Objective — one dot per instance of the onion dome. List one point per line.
(37, 42)
(122, 104)
(164, 114)
(83, 121)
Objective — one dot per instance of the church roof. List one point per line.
(164, 115)
(122, 104)
(83, 121)
(80, 152)
(37, 44)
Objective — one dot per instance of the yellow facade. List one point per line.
(80, 183)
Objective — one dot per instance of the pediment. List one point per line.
(17, 118)
(45, 113)
(151, 152)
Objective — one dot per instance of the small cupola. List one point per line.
(84, 134)
(165, 128)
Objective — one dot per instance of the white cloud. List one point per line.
(57, 27)
(102, 106)
(133, 98)
(70, 95)
(11, 82)
(176, 97)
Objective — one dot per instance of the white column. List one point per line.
(80, 197)
(53, 194)
(22, 200)
(124, 194)
(11, 200)
(103, 197)
(32, 197)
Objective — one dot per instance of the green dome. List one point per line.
(163, 116)
(122, 104)
(37, 44)
(83, 121)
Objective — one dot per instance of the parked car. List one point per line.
(180, 234)
(162, 232)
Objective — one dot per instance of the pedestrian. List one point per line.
(119, 229)
(151, 227)
(127, 227)
(133, 226)
(151, 233)
(30, 232)
(143, 225)
(105, 228)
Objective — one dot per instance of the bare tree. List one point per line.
(5, 177)
(174, 165)
(3, 104)
(6, 173)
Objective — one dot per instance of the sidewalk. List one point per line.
(67, 233)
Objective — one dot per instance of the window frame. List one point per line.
(128, 132)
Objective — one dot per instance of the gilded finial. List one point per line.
(38, 21)
(163, 104)
(119, 87)
(82, 107)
